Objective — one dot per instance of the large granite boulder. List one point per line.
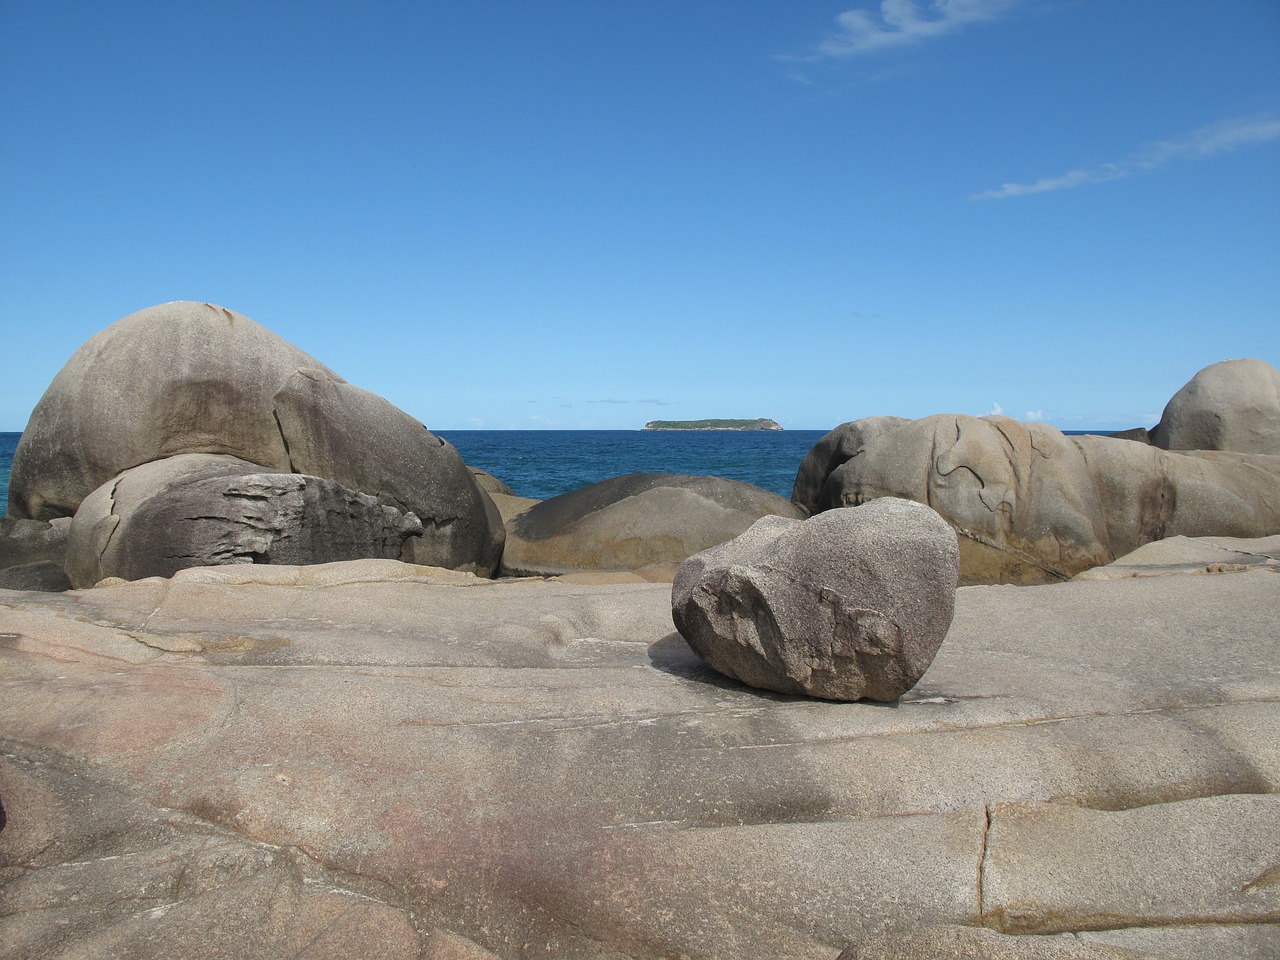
(648, 522)
(197, 510)
(185, 378)
(1031, 505)
(347, 434)
(849, 604)
(180, 377)
(1233, 405)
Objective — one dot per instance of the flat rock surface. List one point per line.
(280, 761)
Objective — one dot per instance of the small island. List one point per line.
(761, 424)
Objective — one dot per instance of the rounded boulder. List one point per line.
(851, 604)
(1233, 405)
(647, 522)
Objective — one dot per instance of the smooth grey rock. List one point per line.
(849, 604)
(205, 509)
(43, 575)
(335, 430)
(633, 522)
(33, 541)
(1191, 555)
(1031, 505)
(180, 377)
(1232, 405)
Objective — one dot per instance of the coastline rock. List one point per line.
(175, 378)
(365, 443)
(852, 603)
(636, 521)
(33, 541)
(1233, 405)
(1191, 555)
(371, 756)
(197, 510)
(42, 575)
(1033, 506)
(195, 378)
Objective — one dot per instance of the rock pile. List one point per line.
(849, 604)
(187, 378)
(1032, 505)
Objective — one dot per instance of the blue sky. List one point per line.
(573, 213)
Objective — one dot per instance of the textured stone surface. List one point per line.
(1031, 505)
(200, 509)
(180, 377)
(194, 378)
(33, 541)
(347, 434)
(1233, 405)
(853, 603)
(633, 522)
(536, 768)
(42, 575)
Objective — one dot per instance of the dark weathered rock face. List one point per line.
(634, 521)
(199, 510)
(1032, 505)
(188, 378)
(336, 430)
(1233, 405)
(175, 378)
(850, 604)
(43, 575)
(33, 541)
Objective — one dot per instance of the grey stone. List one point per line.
(1233, 405)
(204, 509)
(194, 378)
(949, 942)
(176, 378)
(1191, 555)
(335, 430)
(1031, 505)
(634, 522)
(849, 604)
(32, 541)
(42, 575)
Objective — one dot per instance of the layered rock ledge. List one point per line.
(377, 759)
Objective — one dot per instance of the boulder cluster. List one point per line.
(1032, 505)
(187, 435)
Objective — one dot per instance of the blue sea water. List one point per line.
(546, 463)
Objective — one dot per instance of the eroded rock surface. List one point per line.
(853, 603)
(195, 378)
(649, 522)
(196, 510)
(535, 768)
(1031, 505)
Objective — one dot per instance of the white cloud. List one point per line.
(902, 22)
(995, 411)
(1035, 415)
(1204, 142)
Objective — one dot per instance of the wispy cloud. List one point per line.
(1205, 142)
(902, 22)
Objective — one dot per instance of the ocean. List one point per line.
(545, 463)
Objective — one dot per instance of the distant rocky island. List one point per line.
(760, 424)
